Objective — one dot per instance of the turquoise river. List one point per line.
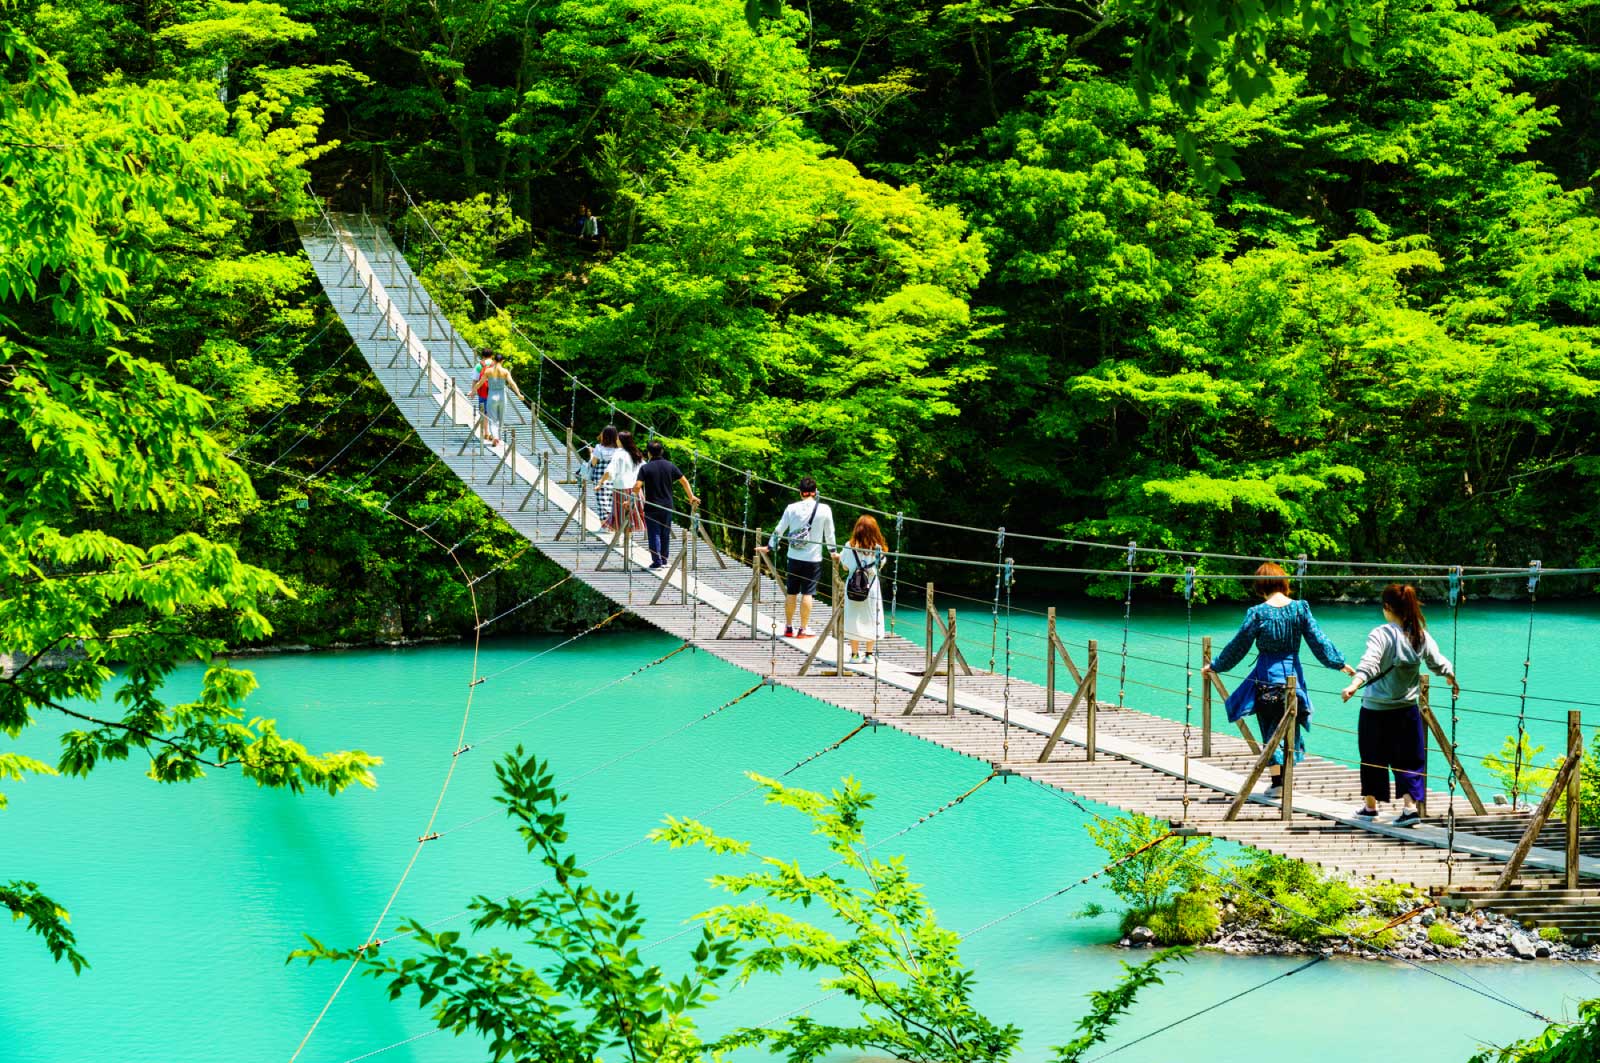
(187, 899)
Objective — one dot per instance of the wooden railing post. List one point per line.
(834, 627)
(1092, 676)
(1205, 697)
(1574, 793)
(1050, 661)
(1291, 707)
(1541, 816)
(927, 667)
(950, 666)
(1272, 742)
(836, 621)
(1222, 692)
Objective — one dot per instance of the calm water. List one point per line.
(187, 899)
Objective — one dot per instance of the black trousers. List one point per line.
(1270, 702)
(1393, 740)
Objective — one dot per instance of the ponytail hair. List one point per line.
(1401, 600)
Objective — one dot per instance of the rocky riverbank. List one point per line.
(1432, 934)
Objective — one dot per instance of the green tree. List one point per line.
(1145, 871)
(590, 991)
(890, 956)
(1575, 1042)
(100, 441)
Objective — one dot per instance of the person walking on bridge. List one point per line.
(623, 477)
(1390, 733)
(600, 456)
(863, 596)
(497, 376)
(805, 527)
(656, 477)
(1276, 628)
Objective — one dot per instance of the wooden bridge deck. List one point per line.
(1140, 760)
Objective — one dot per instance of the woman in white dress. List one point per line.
(622, 475)
(863, 618)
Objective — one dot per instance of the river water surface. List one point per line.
(187, 899)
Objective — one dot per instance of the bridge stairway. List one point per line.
(426, 368)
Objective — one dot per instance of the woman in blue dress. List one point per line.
(1275, 628)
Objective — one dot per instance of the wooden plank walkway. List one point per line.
(1140, 761)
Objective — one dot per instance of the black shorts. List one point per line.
(803, 576)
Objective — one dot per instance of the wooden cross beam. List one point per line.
(835, 628)
(1085, 694)
(943, 653)
(1281, 736)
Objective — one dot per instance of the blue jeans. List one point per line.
(658, 531)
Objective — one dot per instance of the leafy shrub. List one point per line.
(1551, 933)
(1291, 897)
(1444, 935)
(1189, 919)
(1146, 881)
(1560, 1043)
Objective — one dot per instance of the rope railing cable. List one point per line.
(610, 762)
(308, 433)
(573, 701)
(444, 786)
(381, 414)
(1366, 943)
(886, 839)
(249, 355)
(1052, 895)
(1211, 1007)
(286, 407)
(1454, 595)
(1522, 705)
(642, 840)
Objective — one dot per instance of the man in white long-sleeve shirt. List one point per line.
(807, 527)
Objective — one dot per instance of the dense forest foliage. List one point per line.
(1324, 281)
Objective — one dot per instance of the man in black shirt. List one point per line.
(656, 477)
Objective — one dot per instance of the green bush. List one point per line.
(1189, 919)
(1551, 933)
(1293, 898)
(1444, 935)
(1147, 880)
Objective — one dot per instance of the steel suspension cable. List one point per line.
(994, 611)
(1188, 681)
(1534, 569)
(1455, 720)
(1127, 616)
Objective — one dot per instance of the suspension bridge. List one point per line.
(1061, 733)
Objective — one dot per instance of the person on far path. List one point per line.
(1276, 627)
(1390, 733)
(863, 598)
(806, 526)
(498, 377)
(623, 477)
(599, 461)
(480, 392)
(656, 477)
